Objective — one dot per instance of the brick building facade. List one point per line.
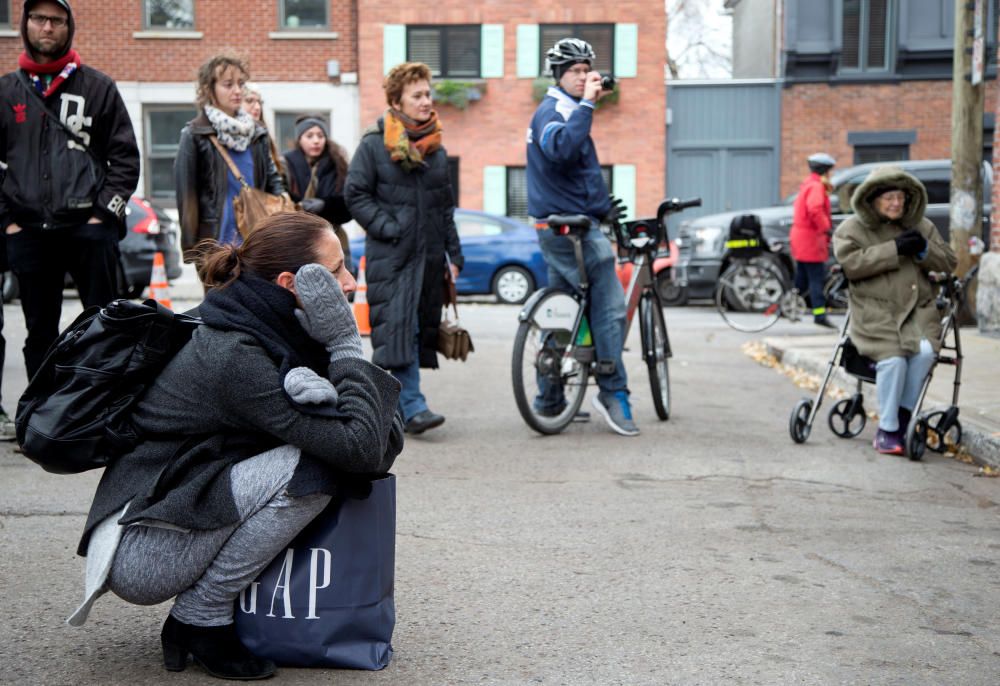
(496, 49)
(305, 62)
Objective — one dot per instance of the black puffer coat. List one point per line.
(200, 173)
(410, 222)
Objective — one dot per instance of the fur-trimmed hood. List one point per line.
(890, 177)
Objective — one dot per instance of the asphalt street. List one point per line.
(708, 550)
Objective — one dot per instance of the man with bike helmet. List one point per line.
(564, 177)
(812, 225)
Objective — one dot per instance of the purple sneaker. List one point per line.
(888, 442)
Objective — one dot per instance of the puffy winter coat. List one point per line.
(892, 300)
(200, 173)
(811, 222)
(410, 224)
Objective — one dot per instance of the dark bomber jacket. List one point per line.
(50, 182)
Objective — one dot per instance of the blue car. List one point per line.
(502, 256)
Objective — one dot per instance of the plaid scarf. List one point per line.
(409, 141)
(62, 67)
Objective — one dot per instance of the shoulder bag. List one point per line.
(253, 204)
(454, 342)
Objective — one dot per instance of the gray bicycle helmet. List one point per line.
(820, 162)
(567, 52)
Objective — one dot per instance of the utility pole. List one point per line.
(967, 128)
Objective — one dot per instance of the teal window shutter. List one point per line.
(623, 186)
(393, 46)
(626, 50)
(491, 51)
(527, 51)
(495, 190)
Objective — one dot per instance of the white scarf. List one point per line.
(233, 132)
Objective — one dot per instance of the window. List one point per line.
(517, 191)
(453, 174)
(163, 126)
(600, 36)
(450, 51)
(880, 153)
(4, 12)
(303, 14)
(284, 129)
(469, 225)
(866, 32)
(168, 14)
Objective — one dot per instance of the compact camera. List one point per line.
(608, 83)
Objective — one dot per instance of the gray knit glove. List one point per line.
(306, 387)
(326, 315)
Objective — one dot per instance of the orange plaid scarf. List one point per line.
(409, 141)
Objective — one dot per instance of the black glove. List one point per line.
(313, 205)
(910, 242)
(617, 211)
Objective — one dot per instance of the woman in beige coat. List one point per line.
(887, 249)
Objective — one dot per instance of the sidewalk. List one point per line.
(979, 397)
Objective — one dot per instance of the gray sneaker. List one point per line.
(617, 412)
(7, 432)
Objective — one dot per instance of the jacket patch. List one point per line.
(20, 113)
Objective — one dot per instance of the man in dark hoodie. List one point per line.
(71, 165)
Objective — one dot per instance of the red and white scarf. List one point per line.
(63, 68)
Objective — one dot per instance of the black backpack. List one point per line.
(74, 415)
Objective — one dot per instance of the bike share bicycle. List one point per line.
(553, 344)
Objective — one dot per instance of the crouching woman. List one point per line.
(247, 433)
(887, 250)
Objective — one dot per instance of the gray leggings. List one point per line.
(206, 570)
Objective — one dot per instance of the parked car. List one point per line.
(149, 229)
(702, 240)
(502, 256)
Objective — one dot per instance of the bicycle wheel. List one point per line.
(538, 366)
(748, 295)
(656, 351)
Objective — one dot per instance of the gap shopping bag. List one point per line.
(327, 600)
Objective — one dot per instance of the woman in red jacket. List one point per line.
(810, 235)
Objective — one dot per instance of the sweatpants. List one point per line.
(898, 381)
(206, 570)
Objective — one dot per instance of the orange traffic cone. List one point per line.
(159, 289)
(361, 302)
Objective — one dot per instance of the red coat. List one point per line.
(811, 222)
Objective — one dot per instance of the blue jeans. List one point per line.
(607, 301)
(411, 400)
(898, 381)
(812, 276)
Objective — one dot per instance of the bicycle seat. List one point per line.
(574, 222)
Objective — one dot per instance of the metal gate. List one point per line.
(723, 144)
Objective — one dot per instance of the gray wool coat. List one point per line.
(892, 299)
(221, 400)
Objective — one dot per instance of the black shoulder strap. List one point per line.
(54, 117)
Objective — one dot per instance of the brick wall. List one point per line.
(105, 28)
(817, 117)
(492, 130)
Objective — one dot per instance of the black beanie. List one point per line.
(71, 25)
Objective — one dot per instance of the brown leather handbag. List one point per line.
(252, 204)
(454, 342)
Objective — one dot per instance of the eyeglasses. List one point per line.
(41, 19)
(581, 70)
(893, 196)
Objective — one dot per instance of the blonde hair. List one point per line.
(402, 75)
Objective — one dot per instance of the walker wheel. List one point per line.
(916, 439)
(798, 424)
(943, 432)
(847, 417)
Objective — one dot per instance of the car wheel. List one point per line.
(513, 285)
(672, 294)
(10, 287)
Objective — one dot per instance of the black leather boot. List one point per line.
(216, 648)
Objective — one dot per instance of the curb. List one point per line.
(983, 447)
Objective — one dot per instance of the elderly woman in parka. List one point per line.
(398, 189)
(887, 249)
